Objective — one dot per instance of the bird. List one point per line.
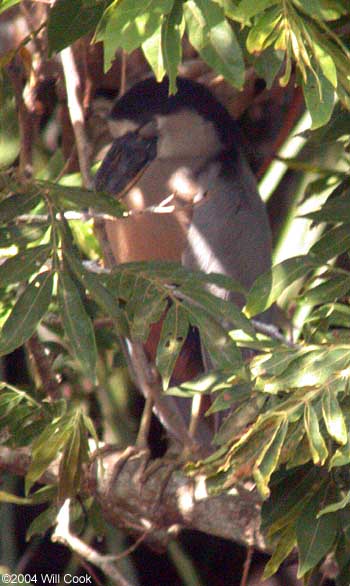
(186, 150)
(183, 152)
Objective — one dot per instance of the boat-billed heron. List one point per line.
(184, 151)
(185, 148)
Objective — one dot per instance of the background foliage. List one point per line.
(289, 424)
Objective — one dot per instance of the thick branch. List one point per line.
(143, 507)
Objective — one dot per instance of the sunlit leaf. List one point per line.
(269, 286)
(334, 507)
(47, 446)
(268, 460)
(213, 37)
(333, 417)
(173, 28)
(265, 30)
(75, 454)
(152, 49)
(332, 243)
(6, 4)
(317, 444)
(246, 9)
(21, 266)
(319, 98)
(341, 456)
(29, 309)
(333, 211)
(128, 24)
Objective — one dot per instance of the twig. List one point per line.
(25, 118)
(74, 90)
(247, 564)
(122, 87)
(63, 535)
(272, 331)
(147, 380)
(43, 365)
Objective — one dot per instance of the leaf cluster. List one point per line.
(273, 35)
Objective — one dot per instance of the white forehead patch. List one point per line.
(186, 134)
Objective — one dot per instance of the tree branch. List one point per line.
(161, 504)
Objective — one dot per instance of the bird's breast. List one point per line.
(160, 212)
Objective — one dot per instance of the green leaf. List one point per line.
(42, 522)
(75, 454)
(315, 536)
(213, 37)
(268, 287)
(150, 307)
(173, 28)
(69, 20)
(268, 459)
(333, 211)
(77, 325)
(325, 62)
(47, 446)
(218, 308)
(246, 9)
(152, 49)
(333, 417)
(332, 243)
(6, 4)
(341, 457)
(21, 235)
(104, 297)
(238, 420)
(319, 98)
(128, 24)
(324, 9)
(173, 335)
(328, 291)
(267, 65)
(265, 30)
(276, 363)
(18, 203)
(27, 313)
(334, 507)
(232, 395)
(223, 352)
(42, 495)
(317, 444)
(285, 545)
(21, 266)
(288, 498)
(76, 198)
(315, 366)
